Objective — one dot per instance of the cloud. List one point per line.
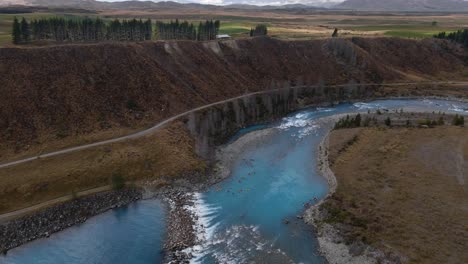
(282, 2)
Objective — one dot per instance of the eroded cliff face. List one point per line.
(65, 91)
(213, 126)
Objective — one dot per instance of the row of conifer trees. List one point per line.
(460, 36)
(95, 30)
(175, 30)
(259, 30)
(81, 30)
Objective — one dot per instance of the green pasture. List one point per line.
(238, 26)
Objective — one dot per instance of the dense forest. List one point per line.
(460, 36)
(176, 30)
(95, 30)
(259, 30)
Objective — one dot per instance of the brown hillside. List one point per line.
(57, 92)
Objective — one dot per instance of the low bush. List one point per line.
(117, 181)
(458, 120)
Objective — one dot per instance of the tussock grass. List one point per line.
(166, 154)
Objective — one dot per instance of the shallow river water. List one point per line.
(242, 219)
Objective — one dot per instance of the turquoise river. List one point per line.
(242, 219)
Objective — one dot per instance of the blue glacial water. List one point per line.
(240, 219)
(133, 234)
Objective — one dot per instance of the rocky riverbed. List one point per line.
(183, 227)
(56, 218)
(180, 227)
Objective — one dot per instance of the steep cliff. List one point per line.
(64, 91)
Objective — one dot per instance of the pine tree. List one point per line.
(16, 31)
(260, 30)
(357, 120)
(460, 36)
(335, 33)
(388, 122)
(25, 31)
(183, 30)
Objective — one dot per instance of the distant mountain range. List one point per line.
(180, 4)
(405, 5)
(364, 5)
(145, 5)
(229, 3)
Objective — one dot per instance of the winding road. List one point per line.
(169, 120)
(17, 213)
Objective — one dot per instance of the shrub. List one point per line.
(388, 121)
(366, 122)
(430, 123)
(441, 121)
(357, 120)
(117, 181)
(132, 105)
(74, 195)
(348, 122)
(458, 120)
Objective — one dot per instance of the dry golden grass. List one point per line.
(442, 90)
(163, 155)
(404, 190)
(49, 142)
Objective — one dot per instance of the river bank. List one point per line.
(179, 199)
(334, 235)
(59, 217)
(331, 243)
(184, 202)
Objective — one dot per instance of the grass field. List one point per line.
(284, 25)
(236, 28)
(403, 190)
(411, 33)
(160, 157)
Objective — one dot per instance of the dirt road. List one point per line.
(167, 121)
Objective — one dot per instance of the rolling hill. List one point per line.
(405, 5)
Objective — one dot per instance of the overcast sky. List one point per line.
(252, 2)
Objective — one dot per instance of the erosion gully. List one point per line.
(253, 216)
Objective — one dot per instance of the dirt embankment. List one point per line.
(54, 219)
(402, 191)
(66, 95)
(158, 157)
